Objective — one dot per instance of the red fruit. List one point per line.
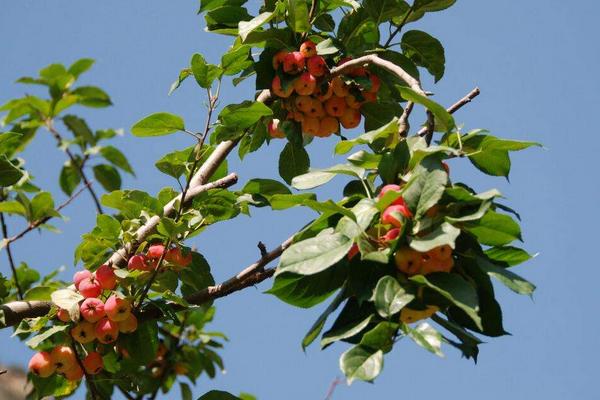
(278, 59)
(129, 325)
(138, 262)
(328, 126)
(315, 110)
(393, 188)
(63, 315)
(446, 167)
(84, 332)
(316, 66)
(353, 251)
(350, 119)
(305, 85)
(106, 276)
(375, 83)
(117, 309)
(369, 97)
(90, 287)
(74, 374)
(335, 106)
(275, 132)
(308, 49)
(175, 256)
(293, 63)
(311, 126)
(394, 215)
(324, 92)
(155, 251)
(392, 234)
(93, 363)
(41, 364)
(63, 357)
(279, 90)
(340, 89)
(92, 309)
(79, 276)
(107, 331)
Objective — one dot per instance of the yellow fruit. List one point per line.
(409, 315)
(310, 126)
(408, 261)
(328, 126)
(340, 89)
(441, 252)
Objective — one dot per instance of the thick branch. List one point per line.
(86, 181)
(41, 221)
(455, 107)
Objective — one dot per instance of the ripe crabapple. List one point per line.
(41, 364)
(63, 315)
(155, 251)
(394, 215)
(409, 315)
(353, 251)
(107, 331)
(117, 309)
(128, 325)
(340, 88)
(176, 257)
(303, 103)
(441, 252)
(279, 90)
(92, 309)
(79, 276)
(369, 97)
(63, 357)
(308, 49)
(408, 261)
(387, 188)
(335, 106)
(275, 132)
(324, 92)
(293, 63)
(350, 118)
(93, 363)
(84, 332)
(328, 126)
(375, 83)
(392, 234)
(310, 126)
(278, 59)
(90, 287)
(138, 262)
(446, 167)
(305, 85)
(316, 109)
(316, 66)
(74, 374)
(352, 102)
(106, 276)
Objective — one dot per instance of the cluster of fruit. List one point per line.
(315, 99)
(407, 260)
(101, 320)
(159, 366)
(174, 257)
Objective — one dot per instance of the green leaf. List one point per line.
(494, 229)
(80, 66)
(69, 178)
(364, 159)
(381, 337)
(146, 333)
(197, 276)
(225, 19)
(511, 280)
(358, 32)
(326, 47)
(176, 163)
(380, 113)
(361, 362)
(204, 73)
(55, 386)
(9, 143)
(218, 395)
(318, 177)
(183, 75)
(42, 293)
(285, 201)
(186, 392)
(444, 120)
(91, 96)
(236, 60)
(317, 327)
(35, 341)
(506, 254)
(13, 207)
(297, 15)
(308, 290)
(245, 27)
(326, 23)
(42, 205)
(426, 51)
(390, 297)
(490, 154)
(9, 173)
(420, 7)
(314, 255)
(208, 5)
(427, 337)
(293, 161)
(456, 289)
(445, 234)
(158, 124)
(244, 115)
(384, 10)
(391, 128)
(116, 158)
(108, 176)
(265, 187)
(432, 190)
(345, 331)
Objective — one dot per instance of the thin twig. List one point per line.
(399, 27)
(332, 386)
(88, 378)
(263, 249)
(33, 225)
(11, 260)
(125, 393)
(403, 122)
(59, 139)
(456, 106)
(430, 126)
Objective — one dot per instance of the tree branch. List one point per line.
(86, 181)
(456, 106)
(11, 260)
(41, 221)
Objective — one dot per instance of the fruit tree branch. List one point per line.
(11, 260)
(456, 106)
(86, 181)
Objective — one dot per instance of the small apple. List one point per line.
(41, 364)
(293, 63)
(317, 66)
(90, 287)
(63, 357)
(84, 332)
(92, 309)
(308, 49)
(106, 276)
(408, 261)
(279, 90)
(93, 363)
(79, 276)
(107, 331)
(350, 119)
(335, 106)
(305, 85)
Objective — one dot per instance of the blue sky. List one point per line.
(535, 63)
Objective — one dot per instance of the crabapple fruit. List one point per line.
(316, 66)
(293, 63)
(308, 49)
(408, 261)
(117, 309)
(63, 315)
(92, 309)
(79, 276)
(279, 90)
(275, 132)
(335, 106)
(106, 276)
(84, 332)
(63, 357)
(350, 118)
(128, 325)
(310, 126)
(90, 287)
(393, 215)
(155, 251)
(107, 331)
(305, 85)
(93, 363)
(41, 364)
(74, 374)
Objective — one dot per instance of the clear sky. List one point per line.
(536, 63)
